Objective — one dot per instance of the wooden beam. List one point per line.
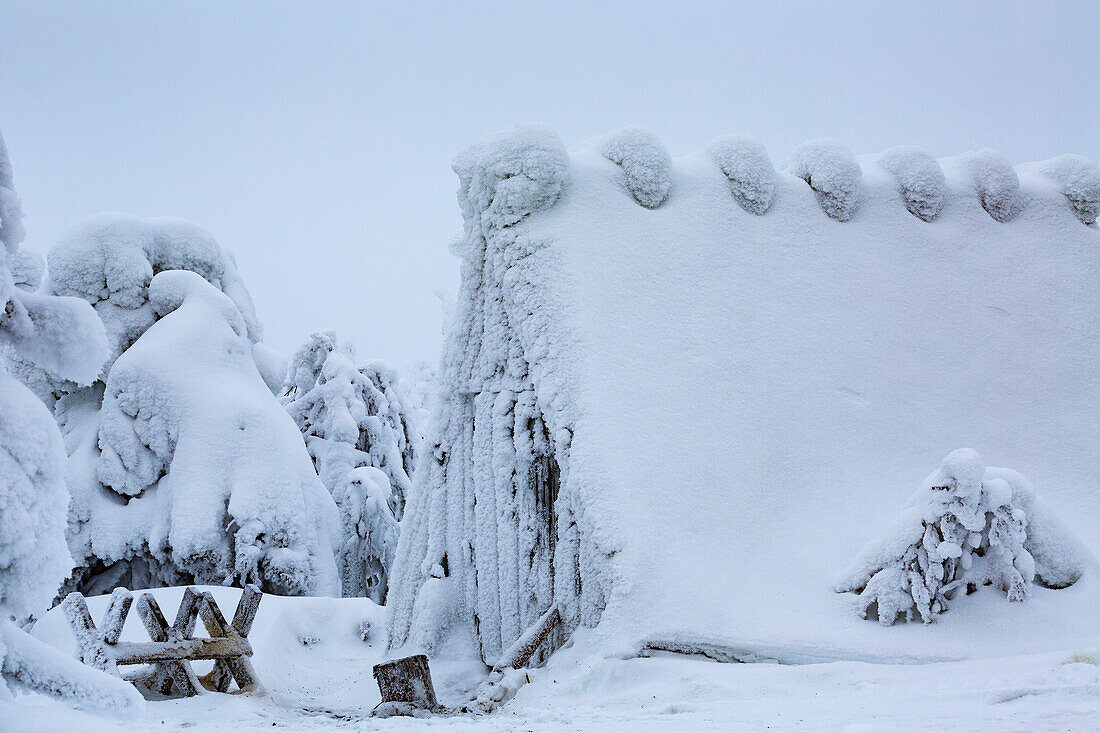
(148, 652)
(517, 655)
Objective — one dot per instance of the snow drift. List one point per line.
(680, 423)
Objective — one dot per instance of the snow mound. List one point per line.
(920, 179)
(203, 474)
(271, 365)
(967, 526)
(996, 182)
(646, 164)
(752, 177)
(60, 335)
(832, 172)
(1079, 179)
(510, 175)
(33, 665)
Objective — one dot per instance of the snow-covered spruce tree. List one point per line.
(354, 419)
(183, 467)
(966, 527)
(64, 335)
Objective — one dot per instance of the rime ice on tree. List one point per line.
(966, 527)
(357, 428)
(182, 465)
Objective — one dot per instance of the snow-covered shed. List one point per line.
(679, 395)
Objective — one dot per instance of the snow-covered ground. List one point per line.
(316, 668)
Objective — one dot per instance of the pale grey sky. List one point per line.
(314, 139)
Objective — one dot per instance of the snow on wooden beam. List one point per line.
(1078, 178)
(996, 183)
(647, 166)
(521, 651)
(921, 181)
(832, 172)
(512, 174)
(746, 164)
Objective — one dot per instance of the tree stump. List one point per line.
(407, 680)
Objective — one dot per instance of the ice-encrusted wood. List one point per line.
(172, 647)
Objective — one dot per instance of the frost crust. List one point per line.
(746, 164)
(920, 179)
(832, 172)
(646, 164)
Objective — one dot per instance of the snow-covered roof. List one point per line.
(757, 367)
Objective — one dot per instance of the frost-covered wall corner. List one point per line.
(358, 429)
(967, 526)
(64, 335)
(492, 532)
(183, 466)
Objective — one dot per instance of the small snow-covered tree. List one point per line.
(966, 527)
(64, 336)
(355, 418)
(365, 498)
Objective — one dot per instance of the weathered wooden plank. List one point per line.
(407, 680)
(115, 617)
(238, 667)
(157, 628)
(187, 614)
(517, 655)
(181, 674)
(149, 652)
(153, 618)
(246, 609)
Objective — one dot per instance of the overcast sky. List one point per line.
(314, 139)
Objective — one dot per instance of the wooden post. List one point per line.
(180, 673)
(407, 680)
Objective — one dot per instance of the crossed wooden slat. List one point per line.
(172, 647)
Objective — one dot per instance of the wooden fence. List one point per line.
(174, 647)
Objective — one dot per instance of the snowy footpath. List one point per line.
(314, 657)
